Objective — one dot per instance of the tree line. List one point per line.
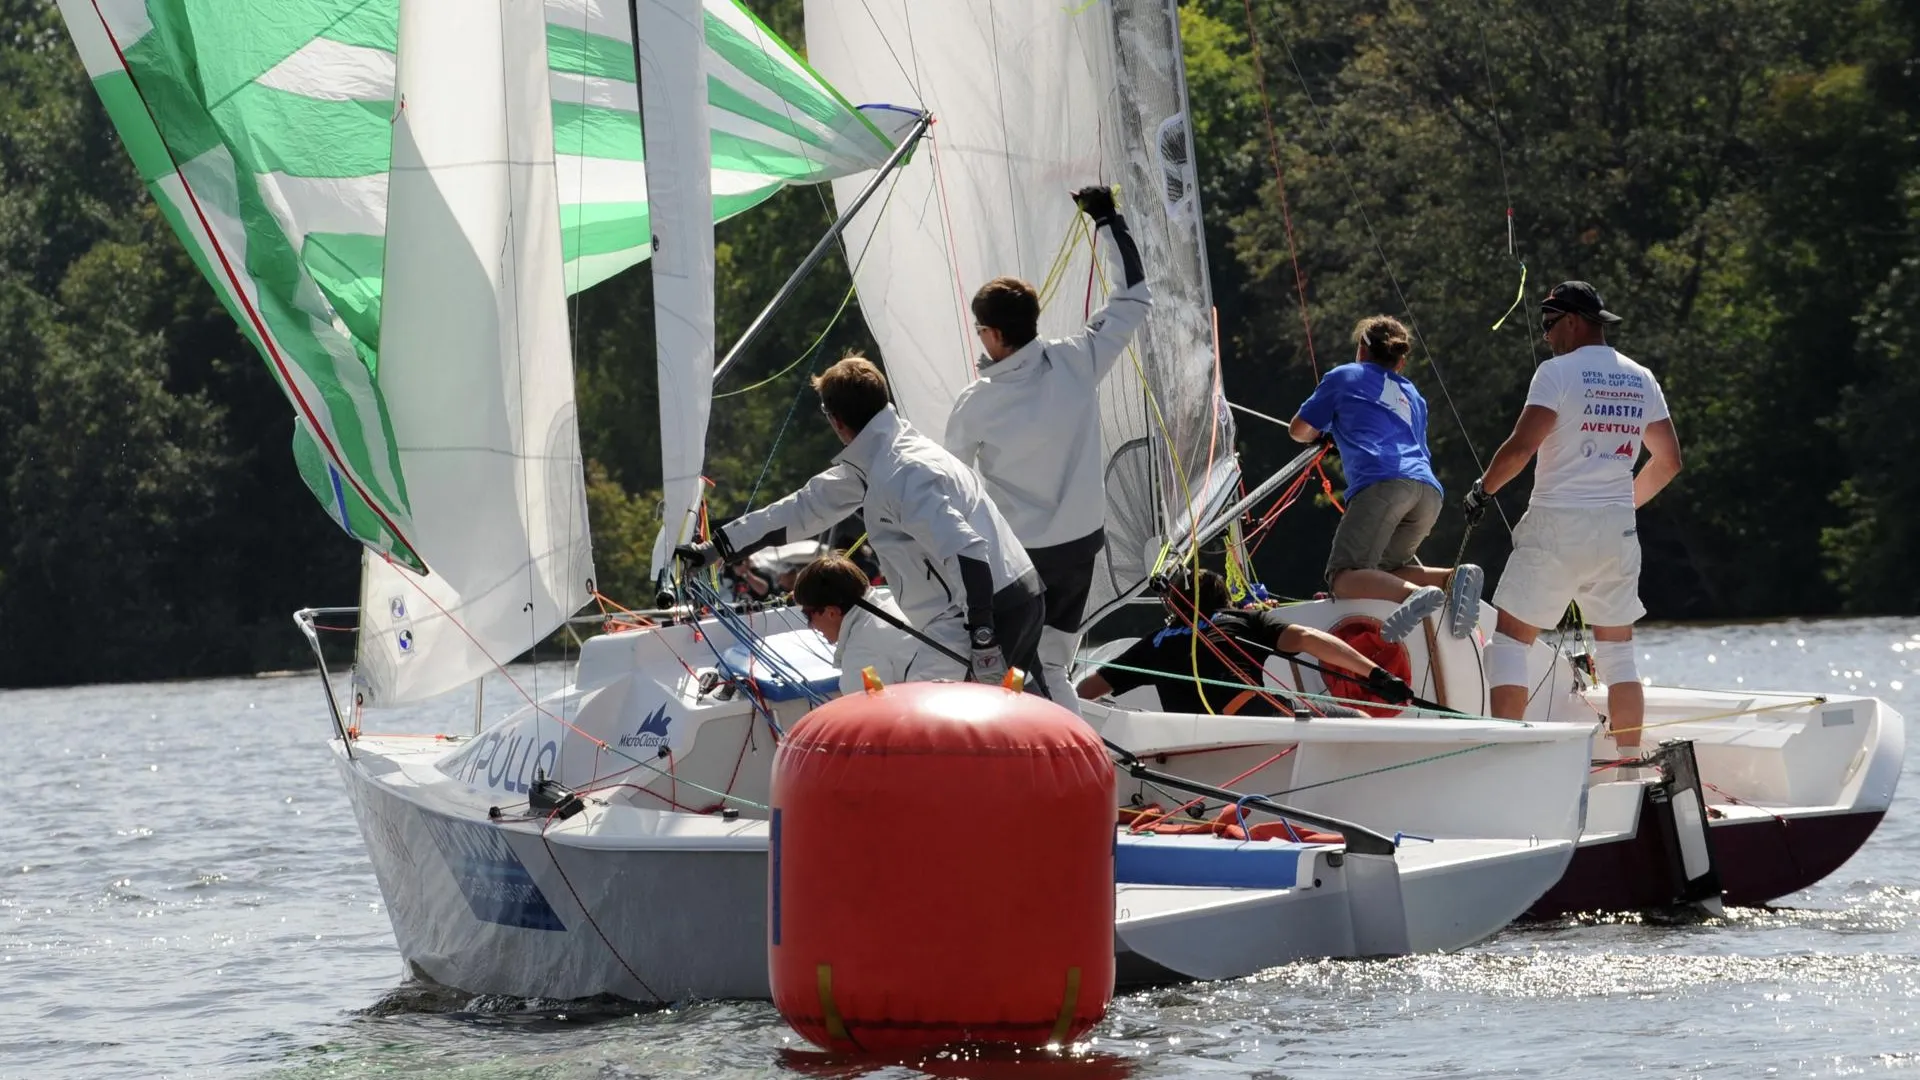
(1740, 178)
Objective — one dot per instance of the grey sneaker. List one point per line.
(1463, 599)
(1404, 618)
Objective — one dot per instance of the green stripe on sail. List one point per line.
(279, 132)
(348, 268)
(722, 96)
(751, 60)
(741, 154)
(594, 131)
(603, 228)
(577, 52)
(130, 119)
(884, 144)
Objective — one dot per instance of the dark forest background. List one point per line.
(1740, 178)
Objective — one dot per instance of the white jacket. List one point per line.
(895, 655)
(924, 510)
(1031, 423)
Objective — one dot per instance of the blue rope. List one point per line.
(754, 641)
(779, 437)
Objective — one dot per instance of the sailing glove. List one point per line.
(1476, 502)
(1096, 201)
(697, 556)
(988, 663)
(1387, 687)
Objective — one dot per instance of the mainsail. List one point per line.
(1032, 101)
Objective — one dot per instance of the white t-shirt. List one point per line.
(1603, 403)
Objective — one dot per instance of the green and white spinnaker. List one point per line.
(263, 130)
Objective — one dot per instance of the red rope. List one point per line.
(1280, 182)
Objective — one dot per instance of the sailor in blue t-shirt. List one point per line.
(1379, 422)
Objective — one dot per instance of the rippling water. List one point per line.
(183, 892)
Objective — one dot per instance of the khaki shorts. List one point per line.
(1562, 554)
(1383, 526)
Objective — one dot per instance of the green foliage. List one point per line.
(1741, 178)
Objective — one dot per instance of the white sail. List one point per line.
(1031, 101)
(474, 358)
(673, 101)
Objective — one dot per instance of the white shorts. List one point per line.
(1560, 554)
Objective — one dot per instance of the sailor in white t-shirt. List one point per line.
(1589, 413)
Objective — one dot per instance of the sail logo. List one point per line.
(652, 730)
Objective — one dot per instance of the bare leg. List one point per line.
(1371, 585)
(1435, 576)
(1509, 702)
(1626, 701)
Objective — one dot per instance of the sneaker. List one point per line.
(1463, 599)
(1404, 618)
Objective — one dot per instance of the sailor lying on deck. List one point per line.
(1031, 424)
(1232, 648)
(833, 594)
(1379, 421)
(953, 564)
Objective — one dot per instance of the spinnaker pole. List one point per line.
(826, 242)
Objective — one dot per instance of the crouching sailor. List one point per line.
(1031, 424)
(1379, 421)
(857, 620)
(1221, 672)
(953, 564)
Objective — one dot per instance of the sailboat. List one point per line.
(394, 201)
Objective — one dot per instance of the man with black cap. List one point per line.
(1589, 412)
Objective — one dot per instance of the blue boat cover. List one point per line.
(799, 652)
(1146, 859)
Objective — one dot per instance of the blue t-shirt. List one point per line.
(1378, 420)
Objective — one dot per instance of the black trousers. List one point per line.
(1066, 572)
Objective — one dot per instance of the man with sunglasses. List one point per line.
(1589, 413)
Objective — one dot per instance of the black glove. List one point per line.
(1387, 687)
(1476, 503)
(697, 556)
(989, 664)
(1096, 201)
(1326, 440)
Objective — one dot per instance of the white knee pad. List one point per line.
(1613, 662)
(1056, 660)
(1506, 661)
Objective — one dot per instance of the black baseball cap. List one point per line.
(1578, 298)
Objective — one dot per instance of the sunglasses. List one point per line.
(1548, 320)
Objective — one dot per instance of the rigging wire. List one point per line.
(1332, 141)
(1280, 183)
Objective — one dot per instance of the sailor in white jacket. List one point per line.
(952, 563)
(836, 599)
(1031, 424)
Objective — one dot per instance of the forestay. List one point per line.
(1031, 101)
(262, 129)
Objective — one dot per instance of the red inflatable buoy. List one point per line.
(941, 871)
